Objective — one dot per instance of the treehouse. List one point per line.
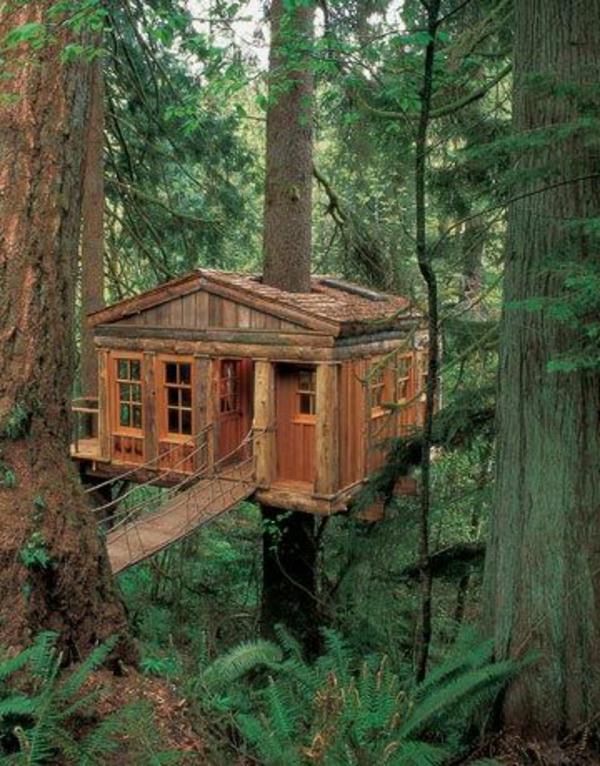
(216, 371)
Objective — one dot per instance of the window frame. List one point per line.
(377, 410)
(399, 379)
(115, 381)
(311, 392)
(164, 434)
(224, 395)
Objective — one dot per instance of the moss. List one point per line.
(17, 423)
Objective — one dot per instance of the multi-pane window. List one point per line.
(306, 393)
(229, 392)
(403, 367)
(423, 373)
(377, 386)
(129, 393)
(178, 388)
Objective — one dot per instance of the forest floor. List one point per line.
(176, 729)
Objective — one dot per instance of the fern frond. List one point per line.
(80, 675)
(239, 661)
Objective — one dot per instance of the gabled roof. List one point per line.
(333, 305)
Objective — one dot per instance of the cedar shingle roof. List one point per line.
(349, 307)
(330, 299)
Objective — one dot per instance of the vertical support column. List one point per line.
(151, 412)
(203, 408)
(264, 418)
(327, 447)
(368, 409)
(103, 405)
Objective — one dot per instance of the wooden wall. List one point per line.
(352, 421)
(203, 310)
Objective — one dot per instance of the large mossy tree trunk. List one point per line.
(288, 181)
(543, 564)
(54, 572)
(92, 232)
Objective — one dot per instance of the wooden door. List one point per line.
(234, 405)
(296, 421)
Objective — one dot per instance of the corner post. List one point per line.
(203, 407)
(150, 410)
(103, 404)
(264, 422)
(327, 447)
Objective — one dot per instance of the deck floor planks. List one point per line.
(179, 516)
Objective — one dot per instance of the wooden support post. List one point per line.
(264, 418)
(368, 414)
(103, 405)
(327, 447)
(203, 405)
(150, 410)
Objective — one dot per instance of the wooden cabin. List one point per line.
(216, 365)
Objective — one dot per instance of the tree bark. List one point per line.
(430, 278)
(543, 563)
(92, 232)
(289, 544)
(288, 185)
(54, 572)
(289, 565)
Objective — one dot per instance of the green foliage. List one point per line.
(46, 715)
(8, 478)
(16, 423)
(34, 553)
(346, 709)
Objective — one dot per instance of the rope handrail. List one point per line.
(149, 463)
(159, 477)
(122, 529)
(196, 476)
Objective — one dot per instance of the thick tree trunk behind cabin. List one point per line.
(54, 572)
(92, 232)
(543, 565)
(288, 185)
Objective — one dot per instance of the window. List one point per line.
(306, 393)
(178, 391)
(377, 386)
(423, 366)
(229, 392)
(129, 393)
(403, 368)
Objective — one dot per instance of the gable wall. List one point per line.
(202, 310)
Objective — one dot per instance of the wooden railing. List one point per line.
(85, 419)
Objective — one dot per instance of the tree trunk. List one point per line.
(543, 565)
(288, 185)
(289, 566)
(92, 233)
(289, 545)
(54, 572)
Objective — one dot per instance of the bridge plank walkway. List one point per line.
(180, 516)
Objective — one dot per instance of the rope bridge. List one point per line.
(136, 530)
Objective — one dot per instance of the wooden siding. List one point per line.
(295, 436)
(203, 310)
(352, 422)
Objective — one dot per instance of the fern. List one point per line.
(240, 660)
(39, 702)
(340, 709)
